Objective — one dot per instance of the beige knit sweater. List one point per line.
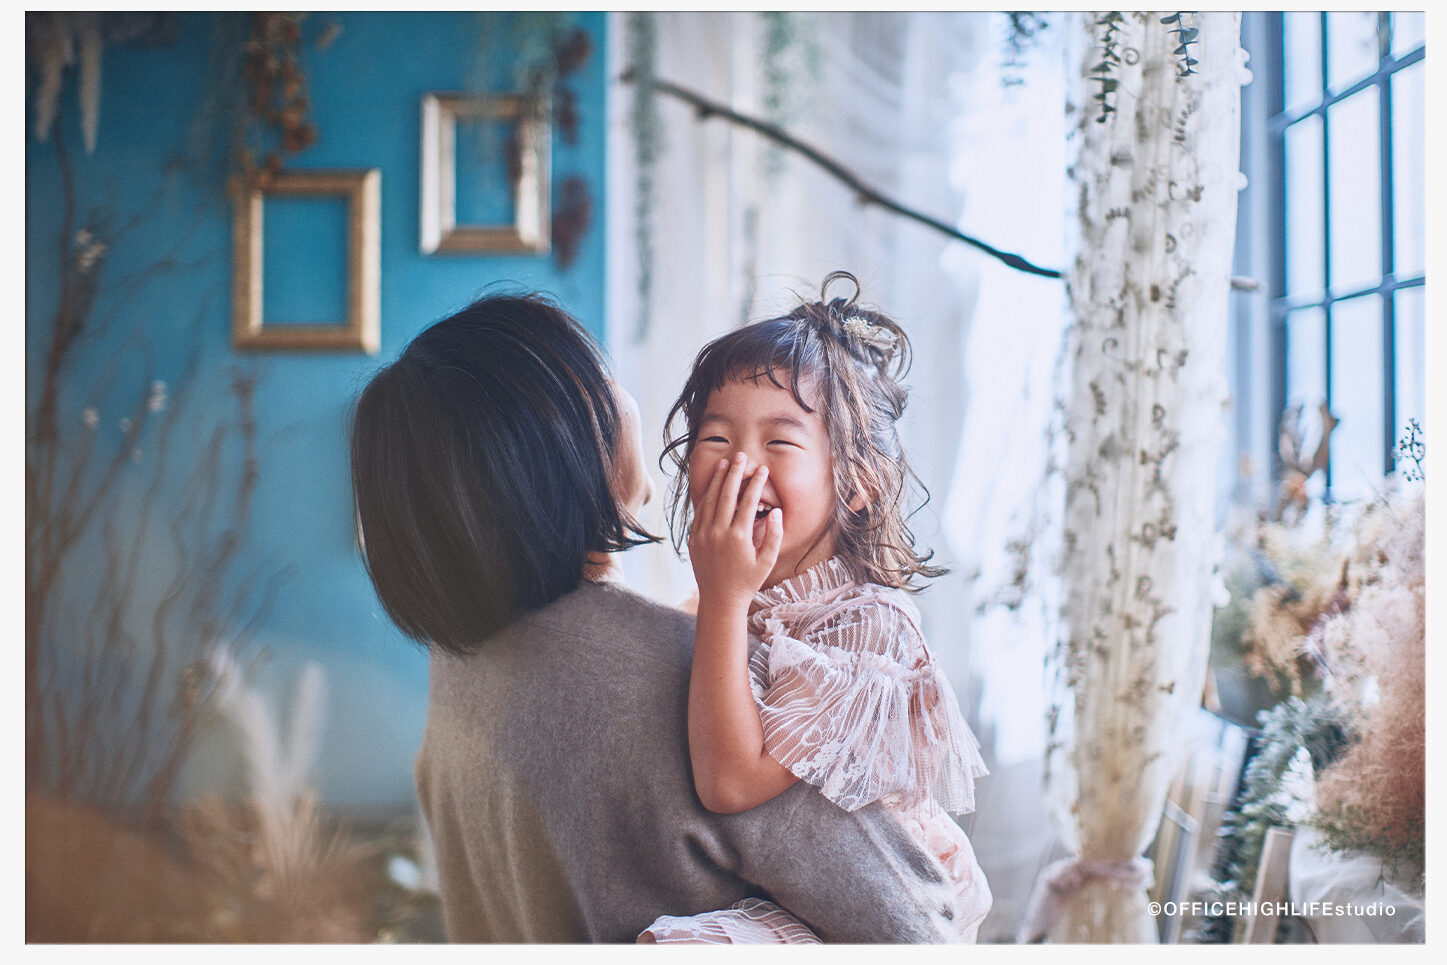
(555, 781)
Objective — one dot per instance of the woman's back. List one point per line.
(554, 778)
(532, 797)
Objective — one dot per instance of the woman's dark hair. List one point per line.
(850, 359)
(481, 462)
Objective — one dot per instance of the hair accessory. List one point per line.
(868, 333)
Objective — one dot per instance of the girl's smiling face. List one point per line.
(765, 423)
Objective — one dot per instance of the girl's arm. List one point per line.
(731, 772)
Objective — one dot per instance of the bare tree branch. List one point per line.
(866, 195)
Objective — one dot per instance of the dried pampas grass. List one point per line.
(285, 877)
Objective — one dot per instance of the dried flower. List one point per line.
(1374, 798)
(88, 250)
(1303, 585)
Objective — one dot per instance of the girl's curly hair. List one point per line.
(850, 359)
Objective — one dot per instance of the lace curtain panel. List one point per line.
(1157, 182)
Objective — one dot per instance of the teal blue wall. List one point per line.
(161, 159)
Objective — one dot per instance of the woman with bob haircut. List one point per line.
(496, 468)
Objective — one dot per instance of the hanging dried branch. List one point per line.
(278, 99)
(865, 194)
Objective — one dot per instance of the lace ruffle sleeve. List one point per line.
(856, 705)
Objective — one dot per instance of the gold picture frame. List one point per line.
(531, 229)
(361, 329)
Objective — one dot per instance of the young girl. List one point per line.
(790, 487)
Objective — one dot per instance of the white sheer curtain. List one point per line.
(733, 241)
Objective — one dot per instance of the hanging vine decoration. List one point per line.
(1185, 36)
(1024, 30)
(778, 38)
(642, 44)
(1109, 61)
(791, 55)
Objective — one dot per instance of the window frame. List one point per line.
(1271, 74)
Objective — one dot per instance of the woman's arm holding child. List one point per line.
(731, 771)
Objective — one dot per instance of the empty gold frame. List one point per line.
(530, 231)
(361, 329)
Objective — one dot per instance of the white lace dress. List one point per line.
(853, 702)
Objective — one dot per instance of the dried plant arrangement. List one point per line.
(1362, 727)
(1373, 799)
(110, 707)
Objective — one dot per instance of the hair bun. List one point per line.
(834, 276)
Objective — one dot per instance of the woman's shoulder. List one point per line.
(613, 601)
(613, 615)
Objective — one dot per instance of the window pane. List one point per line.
(1408, 31)
(1304, 237)
(1302, 55)
(1356, 165)
(1409, 170)
(1410, 342)
(1306, 357)
(1357, 449)
(1351, 47)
